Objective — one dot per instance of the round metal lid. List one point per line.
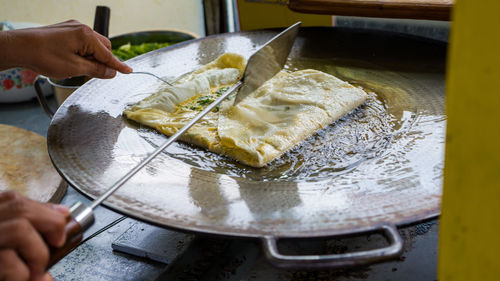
(380, 164)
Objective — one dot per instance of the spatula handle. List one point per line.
(74, 235)
(80, 219)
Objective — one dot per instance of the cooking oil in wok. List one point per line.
(363, 134)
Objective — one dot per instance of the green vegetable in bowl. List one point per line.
(128, 51)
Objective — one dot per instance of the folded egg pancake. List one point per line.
(274, 118)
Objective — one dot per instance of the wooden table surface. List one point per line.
(410, 9)
(25, 166)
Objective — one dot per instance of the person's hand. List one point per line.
(61, 50)
(26, 227)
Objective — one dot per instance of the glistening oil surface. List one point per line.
(363, 134)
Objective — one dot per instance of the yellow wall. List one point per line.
(266, 15)
(126, 15)
(469, 245)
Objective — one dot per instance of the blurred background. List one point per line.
(201, 17)
(126, 15)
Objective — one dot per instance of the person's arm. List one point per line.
(27, 228)
(61, 50)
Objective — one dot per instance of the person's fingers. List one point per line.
(104, 56)
(104, 40)
(94, 68)
(91, 43)
(7, 196)
(63, 209)
(48, 219)
(20, 236)
(47, 277)
(13, 268)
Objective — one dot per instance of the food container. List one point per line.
(155, 36)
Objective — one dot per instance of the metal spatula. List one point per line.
(152, 74)
(262, 66)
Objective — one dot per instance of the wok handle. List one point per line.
(40, 96)
(80, 219)
(394, 249)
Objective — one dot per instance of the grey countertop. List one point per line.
(186, 256)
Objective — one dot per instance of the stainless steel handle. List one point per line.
(80, 219)
(394, 249)
(40, 96)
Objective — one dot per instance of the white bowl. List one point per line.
(16, 85)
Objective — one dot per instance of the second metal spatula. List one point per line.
(261, 66)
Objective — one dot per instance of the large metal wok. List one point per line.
(377, 168)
